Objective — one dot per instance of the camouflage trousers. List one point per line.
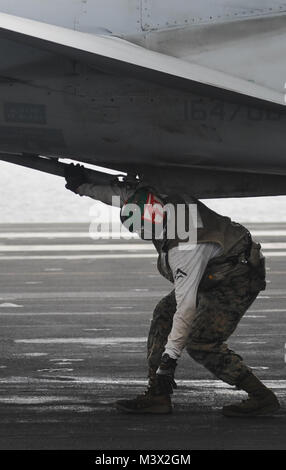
(218, 313)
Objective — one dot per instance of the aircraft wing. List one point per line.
(118, 56)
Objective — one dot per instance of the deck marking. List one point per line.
(59, 235)
(79, 247)
(36, 314)
(86, 234)
(259, 368)
(92, 341)
(79, 257)
(63, 369)
(126, 381)
(252, 342)
(9, 305)
(83, 295)
(268, 310)
(254, 316)
(33, 282)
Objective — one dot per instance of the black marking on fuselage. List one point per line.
(25, 113)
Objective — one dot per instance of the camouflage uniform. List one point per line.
(203, 317)
(219, 308)
(218, 313)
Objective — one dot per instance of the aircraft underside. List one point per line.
(157, 121)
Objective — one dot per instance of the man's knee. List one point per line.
(224, 363)
(209, 351)
(199, 353)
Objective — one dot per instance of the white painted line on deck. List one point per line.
(275, 292)
(273, 254)
(51, 235)
(254, 316)
(8, 305)
(268, 310)
(63, 369)
(106, 256)
(268, 233)
(86, 234)
(34, 354)
(65, 360)
(93, 341)
(252, 342)
(111, 341)
(274, 246)
(36, 314)
(83, 295)
(60, 235)
(259, 334)
(259, 368)
(79, 257)
(33, 282)
(125, 381)
(122, 308)
(103, 247)
(80, 247)
(53, 269)
(97, 329)
(78, 295)
(36, 400)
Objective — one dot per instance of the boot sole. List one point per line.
(152, 410)
(270, 409)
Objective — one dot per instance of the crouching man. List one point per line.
(215, 282)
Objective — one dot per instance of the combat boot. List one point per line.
(146, 403)
(261, 400)
(152, 401)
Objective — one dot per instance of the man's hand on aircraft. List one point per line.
(75, 176)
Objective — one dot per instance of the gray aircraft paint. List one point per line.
(99, 16)
(133, 124)
(130, 16)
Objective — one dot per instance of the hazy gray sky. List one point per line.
(30, 196)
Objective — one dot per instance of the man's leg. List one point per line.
(218, 313)
(160, 328)
(152, 401)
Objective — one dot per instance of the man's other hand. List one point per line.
(165, 375)
(75, 176)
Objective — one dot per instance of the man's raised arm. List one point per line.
(78, 183)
